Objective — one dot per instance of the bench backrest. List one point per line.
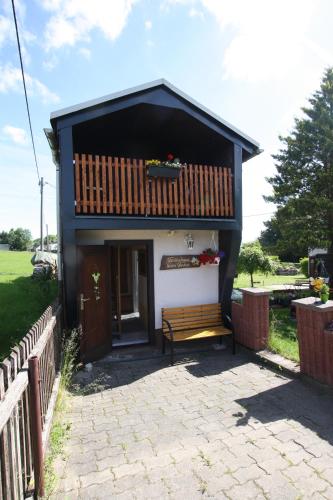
(191, 317)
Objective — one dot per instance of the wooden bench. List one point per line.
(180, 324)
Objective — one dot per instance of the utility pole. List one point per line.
(41, 183)
(47, 238)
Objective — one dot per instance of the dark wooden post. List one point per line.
(229, 242)
(67, 218)
(36, 425)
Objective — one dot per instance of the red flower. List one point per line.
(170, 156)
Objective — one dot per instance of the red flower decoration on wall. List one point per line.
(170, 156)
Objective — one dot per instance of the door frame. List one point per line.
(150, 278)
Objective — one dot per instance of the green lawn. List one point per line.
(243, 280)
(282, 334)
(282, 339)
(22, 300)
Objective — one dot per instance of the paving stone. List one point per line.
(275, 464)
(277, 487)
(311, 485)
(216, 427)
(105, 491)
(70, 481)
(244, 474)
(296, 472)
(128, 469)
(98, 477)
(328, 493)
(246, 491)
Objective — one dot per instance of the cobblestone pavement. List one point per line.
(214, 426)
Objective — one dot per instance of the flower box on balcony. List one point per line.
(170, 168)
(163, 170)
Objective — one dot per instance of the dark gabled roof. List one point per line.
(254, 148)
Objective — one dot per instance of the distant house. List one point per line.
(130, 238)
(320, 262)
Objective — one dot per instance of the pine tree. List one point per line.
(303, 185)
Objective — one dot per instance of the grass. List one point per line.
(58, 437)
(243, 280)
(22, 300)
(60, 430)
(282, 334)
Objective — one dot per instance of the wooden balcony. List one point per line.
(106, 185)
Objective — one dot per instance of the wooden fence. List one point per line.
(28, 380)
(118, 186)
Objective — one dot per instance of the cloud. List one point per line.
(148, 25)
(267, 36)
(263, 38)
(16, 134)
(86, 53)
(193, 12)
(7, 28)
(72, 21)
(11, 80)
(51, 62)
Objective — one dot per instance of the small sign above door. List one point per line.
(179, 262)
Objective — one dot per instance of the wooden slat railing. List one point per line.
(17, 462)
(117, 186)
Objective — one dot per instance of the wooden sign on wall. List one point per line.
(179, 262)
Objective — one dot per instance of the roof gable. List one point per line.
(151, 93)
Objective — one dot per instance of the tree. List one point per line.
(3, 237)
(52, 239)
(305, 266)
(252, 259)
(279, 237)
(303, 185)
(19, 239)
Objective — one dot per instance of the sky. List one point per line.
(255, 63)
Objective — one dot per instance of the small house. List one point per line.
(148, 180)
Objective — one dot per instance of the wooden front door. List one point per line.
(94, 301)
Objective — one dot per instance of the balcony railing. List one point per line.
(106, 185)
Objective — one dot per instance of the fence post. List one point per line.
(36, 425)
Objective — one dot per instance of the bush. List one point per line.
(304, 263)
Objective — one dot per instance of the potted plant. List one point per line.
(319, 286)
(170, 168)
(210, 256)
(324, 293)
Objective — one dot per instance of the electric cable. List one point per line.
(25, 90)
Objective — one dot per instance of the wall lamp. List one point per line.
(189, 241)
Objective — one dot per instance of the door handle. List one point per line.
(82, 301)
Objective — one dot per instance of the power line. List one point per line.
(25, 90)
(258, 215)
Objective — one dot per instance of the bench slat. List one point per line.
(188, 325)
(198, 334)
(196, 314)
(204, 307)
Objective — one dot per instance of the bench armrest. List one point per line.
(227, 322)
(169, 326)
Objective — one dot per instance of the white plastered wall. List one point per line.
(176, 287)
